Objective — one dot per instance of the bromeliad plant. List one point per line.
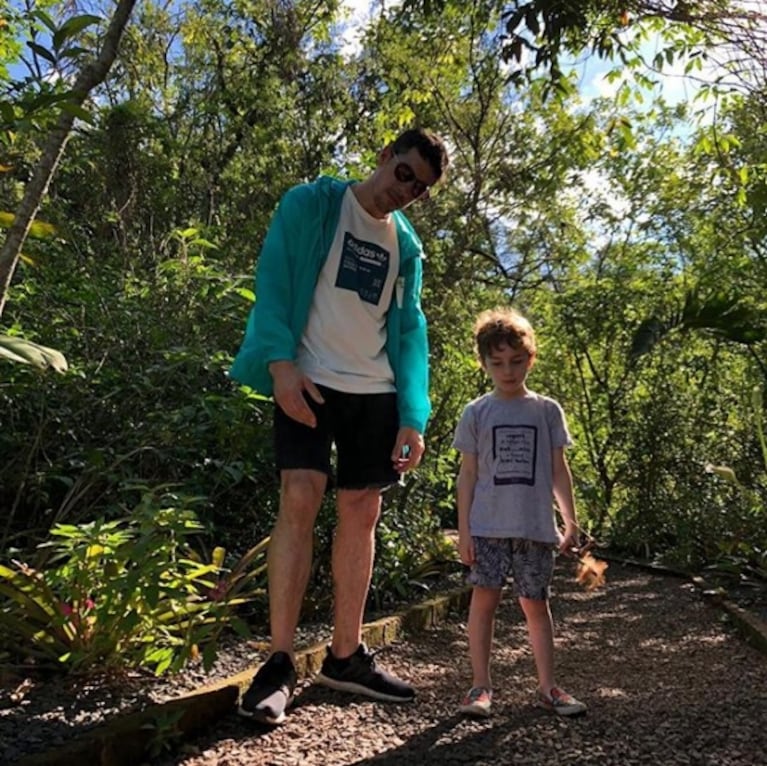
(130, 592)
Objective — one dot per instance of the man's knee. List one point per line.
(301, 495)
(359, 507)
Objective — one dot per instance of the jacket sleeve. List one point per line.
(268, 333)
(413, 377)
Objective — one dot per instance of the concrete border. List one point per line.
(750, 626)
(128, 739)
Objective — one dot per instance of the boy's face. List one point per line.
(508, 368)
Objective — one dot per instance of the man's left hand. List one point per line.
(408, 450)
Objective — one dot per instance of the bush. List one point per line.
(130, 592)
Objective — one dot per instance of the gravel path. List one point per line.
(667, 681)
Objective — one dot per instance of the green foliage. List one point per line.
(411, 552)
(166, 733)
(592, 217)
(742, 548)
(126, 592)
(540, 33)
(54, 46)
(727, 316)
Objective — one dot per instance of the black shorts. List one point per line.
(363, 428)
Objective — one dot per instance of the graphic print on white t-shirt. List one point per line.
(363, 268)
(514, 453)
(344, 342)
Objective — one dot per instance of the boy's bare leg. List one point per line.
(289, 557)
(540, 629)
(484, 602)
(353, 554)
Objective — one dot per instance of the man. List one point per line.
(337, 335)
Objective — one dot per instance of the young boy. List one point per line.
(513, 464)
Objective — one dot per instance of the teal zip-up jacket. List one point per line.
(294, 251)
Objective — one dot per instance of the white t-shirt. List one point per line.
(513, 440)
(343, 345)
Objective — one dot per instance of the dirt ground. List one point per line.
(667, 680)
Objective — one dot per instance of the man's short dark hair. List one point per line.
(429, 145)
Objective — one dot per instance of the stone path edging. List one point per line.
(126, 740)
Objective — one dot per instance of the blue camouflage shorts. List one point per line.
(529, 563)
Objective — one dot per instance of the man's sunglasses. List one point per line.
(406, 175)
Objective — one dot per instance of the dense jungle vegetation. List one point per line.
(136, 482)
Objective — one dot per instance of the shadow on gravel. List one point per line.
(54, 724)
(482, 742)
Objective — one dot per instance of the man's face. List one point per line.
(403, 178)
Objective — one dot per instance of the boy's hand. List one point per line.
(568, 539)
(466, 549)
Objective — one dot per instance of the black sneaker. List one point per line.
(271, 691)
(359, 674)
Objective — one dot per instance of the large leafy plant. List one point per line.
(743, 552)
(131, 592)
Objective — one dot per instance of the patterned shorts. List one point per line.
(530, 564)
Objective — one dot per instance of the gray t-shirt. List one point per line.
(513, 440)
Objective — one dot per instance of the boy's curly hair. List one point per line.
(499, 326)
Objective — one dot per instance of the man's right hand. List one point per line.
(289, 386)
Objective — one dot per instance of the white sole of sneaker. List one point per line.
(262, 717)
(346, 686)
(266, 716)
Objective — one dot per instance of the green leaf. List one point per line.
(756, 401)
(38, 229)
(74, 52)
(72, 27)
(77, 111)
(42, 52)
(45, 18)
(244, 292)
(240, 627)
(204, 243)
(19, 350)
(7, 112)
(743, 174)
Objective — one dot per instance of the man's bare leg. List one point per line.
(289, 558)
(344, 668)
(353, 555)
(289, 561)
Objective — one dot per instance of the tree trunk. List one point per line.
(90, 76)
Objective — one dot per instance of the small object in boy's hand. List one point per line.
(591, 572)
